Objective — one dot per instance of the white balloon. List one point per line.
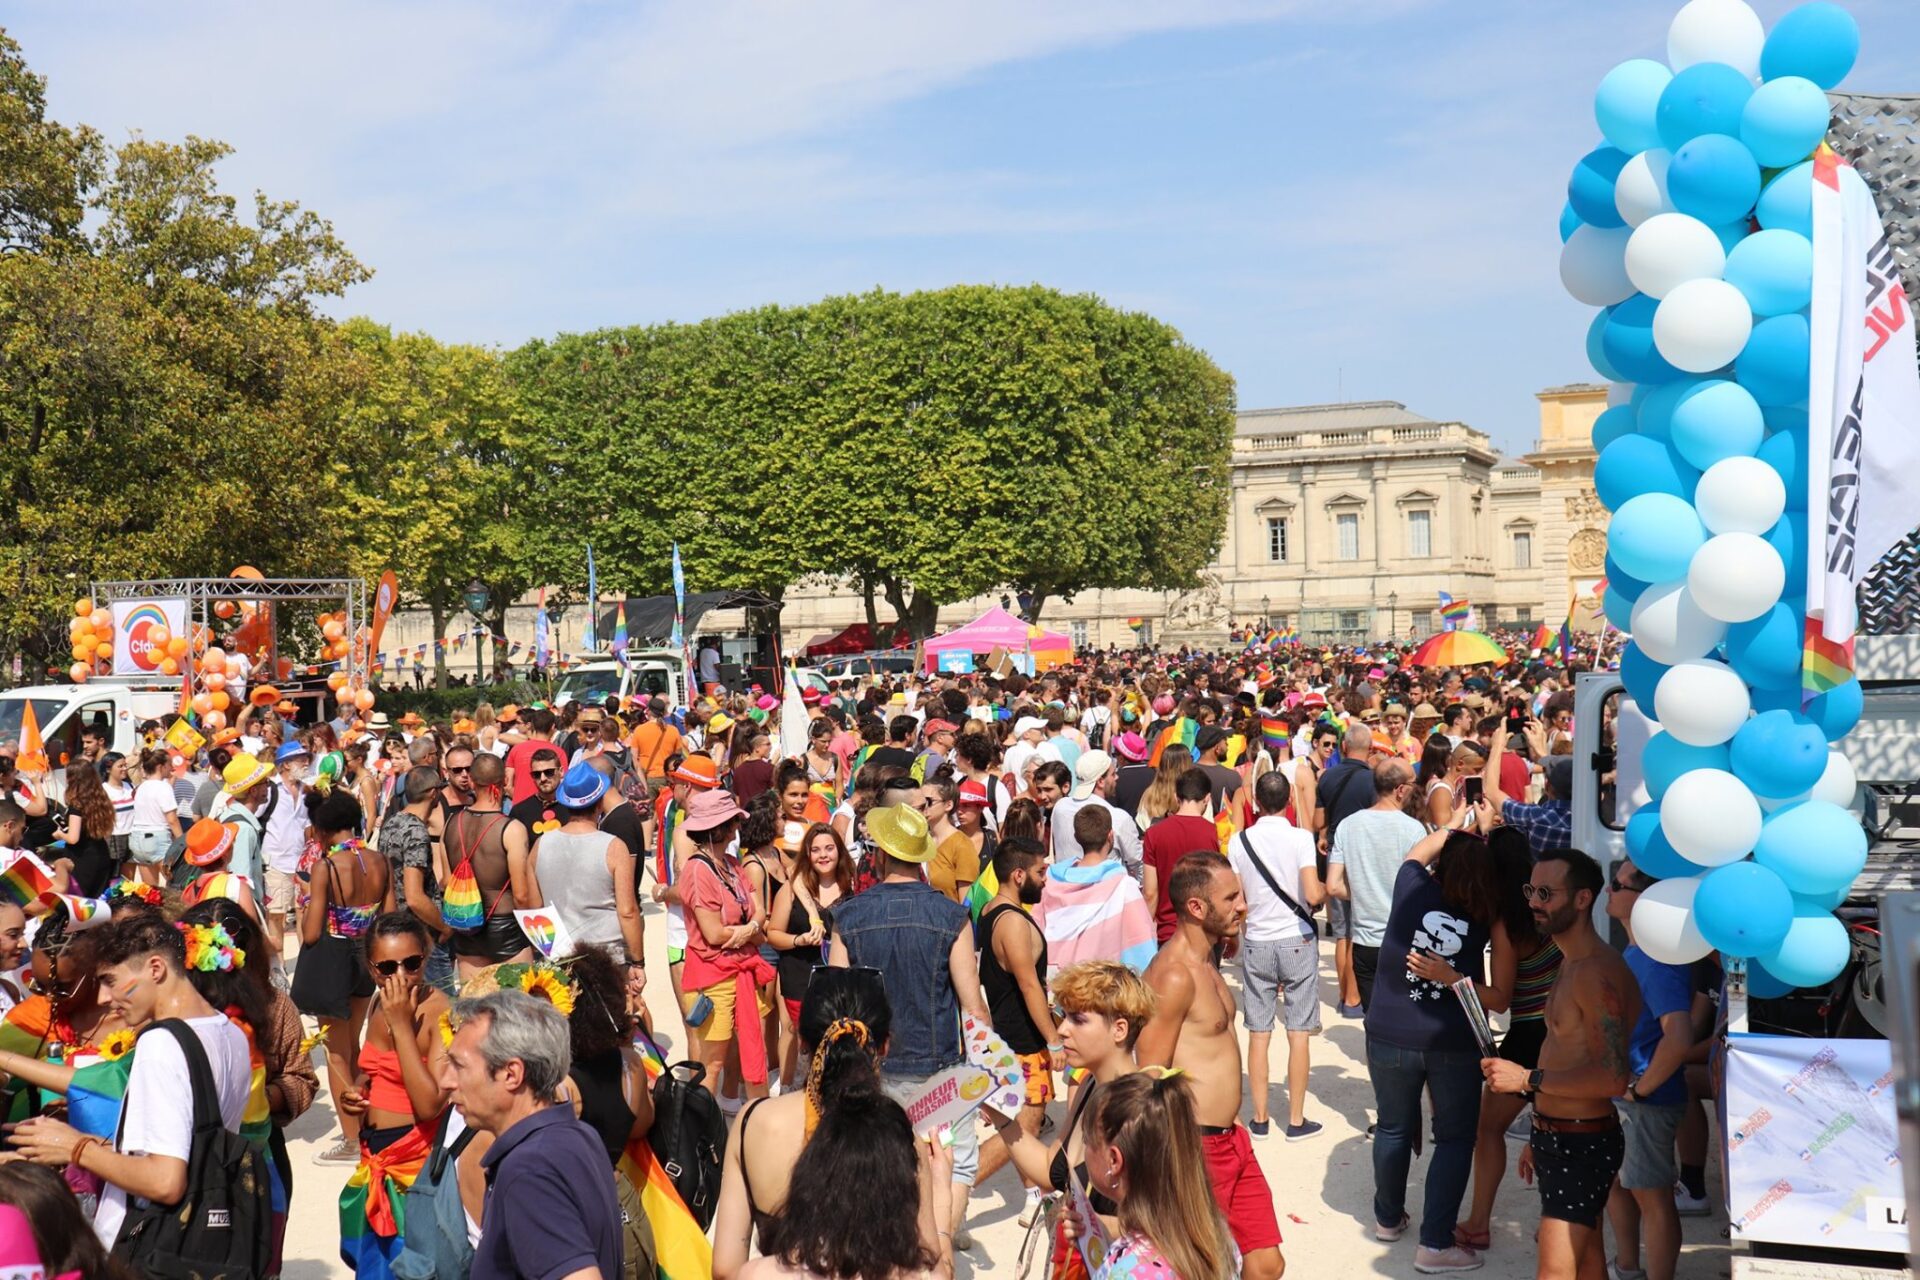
(1717, 31)
(1839, 784)
(1593, 265)
(1619, 393)
(1669, 249)
(1736, 577)
(1701, 325)
(1663, 924)
(1670, 627)
(1740, 495)
(1640, 191)
(1701, 702)
(1710, 817)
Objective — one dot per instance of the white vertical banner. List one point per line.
(135, 623)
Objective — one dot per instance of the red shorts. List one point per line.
(1240, 1189)
(793, 1011)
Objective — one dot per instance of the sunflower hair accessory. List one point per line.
(117, 1045)
(542, 979)
(210, 948)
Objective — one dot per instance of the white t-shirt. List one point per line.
(121, 793)
(152, 802)
(1283, 850)
(158, 1110)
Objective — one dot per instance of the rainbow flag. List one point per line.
(1824, 664)
(83, 913)
(680, 1246)
(984, 887)
(1289, 634)
(373, 1204)
(1542, 638)
(1455, 613)
(1566, 640)
(1183, 731)
(25, 879)
(95, 1093)
(1273, 733)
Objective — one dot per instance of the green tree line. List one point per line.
(174, 402)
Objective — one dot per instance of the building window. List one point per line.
(1420, 534)
(1146, 634)
(1079, 631)
(1347, 527)
(1277, 539)
(1523, 550)
(1350, 621)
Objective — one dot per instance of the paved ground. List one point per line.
(1322, 1188)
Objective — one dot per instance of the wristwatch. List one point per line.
(1534, 1077)
(1633, 1089)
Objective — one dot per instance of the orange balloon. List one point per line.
(103, 650)
(332, 629)
(83, 649)
(203, 703)
(78, 627)
(247, 571)
(102, 620)
(337, 681)
(220, 699)
(215, 681)
(169, 667)
(223, 608)
(83, 608)
(364, 699)
(79, 672)
(158, 636)
(215, 720)
(214, 659)
(177, 647)
(339, 649)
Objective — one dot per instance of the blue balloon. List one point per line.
(1778, 754)
(1786, 203)
(1789, 538)
(1647, 845)
(1785, 417)
(1706, 97)
(1590, 190)
(1784, 697)
(1656, 410)
(1776, 365)
(1743, 909)
(1815, 847)
(1786, 453)
(1612, 424)
(1633, 465)
(1819, 41)
(1616, 608)
(1716, 419)
(1626, 103)
(1713, 178)
(1774, 269)
(1569, 223)
(1666, 758)
(1823, 901)
(1784, 121)
(1626, 343)
(1837, 710)
(1815, 949)
(1596, 353)
(1762, 985)
(1628, 585)
(1654, 536)
(1640, 674)
(1765, 652)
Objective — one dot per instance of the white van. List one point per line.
(117, 704)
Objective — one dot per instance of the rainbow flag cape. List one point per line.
(984, 887)
(95, 1093)
(1183, 731)
(25, 879)
(680, 1246)
(373, 1204)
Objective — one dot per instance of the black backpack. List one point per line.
(220, 1230)
(689, 1136)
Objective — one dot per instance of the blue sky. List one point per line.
(1337, 199)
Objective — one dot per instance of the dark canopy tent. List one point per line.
(650, 618)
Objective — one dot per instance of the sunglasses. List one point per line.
(1538, 893)
(461, 768)
(387, 968)
(546, 773)
(1618, 885)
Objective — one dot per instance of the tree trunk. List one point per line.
(437, 609)
(1040, 596)
(873, 617)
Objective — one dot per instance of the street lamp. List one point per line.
(476, 598)
(1393, 608)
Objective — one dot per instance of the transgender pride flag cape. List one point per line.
(1095, 913)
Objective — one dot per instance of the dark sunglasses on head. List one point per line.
(387, 968)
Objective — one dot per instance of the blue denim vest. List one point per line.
(906, 931)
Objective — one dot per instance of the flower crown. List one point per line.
(124, 888)
(210, 948)
(542, 979)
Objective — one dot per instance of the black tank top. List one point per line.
(603, 1100)
(1004, 1001)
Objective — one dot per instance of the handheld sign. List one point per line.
(986, 1050)
(948, 1099)
(546, 931)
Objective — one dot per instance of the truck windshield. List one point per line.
(590, 686)
(13, 713)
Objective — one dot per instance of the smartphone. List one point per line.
(1474, 790)
(1516, 721)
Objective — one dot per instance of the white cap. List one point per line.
(1088, 770)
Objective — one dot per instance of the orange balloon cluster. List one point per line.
(91, 632)
(335, 644)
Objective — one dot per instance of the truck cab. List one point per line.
(646, 673)
(61, 711)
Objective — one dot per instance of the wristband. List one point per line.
(1056, 1048)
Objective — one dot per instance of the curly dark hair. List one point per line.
(337, 810)
(762, 825)
(599, 1023)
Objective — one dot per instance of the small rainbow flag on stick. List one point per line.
(1825, 664)
(1455, 613)
(25, 879)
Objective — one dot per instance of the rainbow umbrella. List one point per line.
(1457, 649)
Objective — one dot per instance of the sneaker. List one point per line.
(1390, 1234)
(1617, 1272)
(1689, 1205)
(341, 1152)
(1353, 1011)
(1457, 1257)
(1259, 1128)
(1036, 1204)
(1305, 1129)
(1370, 1129)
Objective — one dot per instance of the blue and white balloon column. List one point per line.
(1690, 226)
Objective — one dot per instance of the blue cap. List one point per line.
(291, 751)
(582, 787)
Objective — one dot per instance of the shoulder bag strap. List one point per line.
(1306, 917)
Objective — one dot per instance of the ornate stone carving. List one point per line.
(1584, 507)
(1587, 550)
(1199, 608)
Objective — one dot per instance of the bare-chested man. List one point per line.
(498, 847)
(1577, 1143)
(1192, 1029)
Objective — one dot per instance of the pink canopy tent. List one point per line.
(998, 629)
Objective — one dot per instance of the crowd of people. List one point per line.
(1109, 865)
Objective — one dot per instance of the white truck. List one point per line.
(115, 703)
(646, 672)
